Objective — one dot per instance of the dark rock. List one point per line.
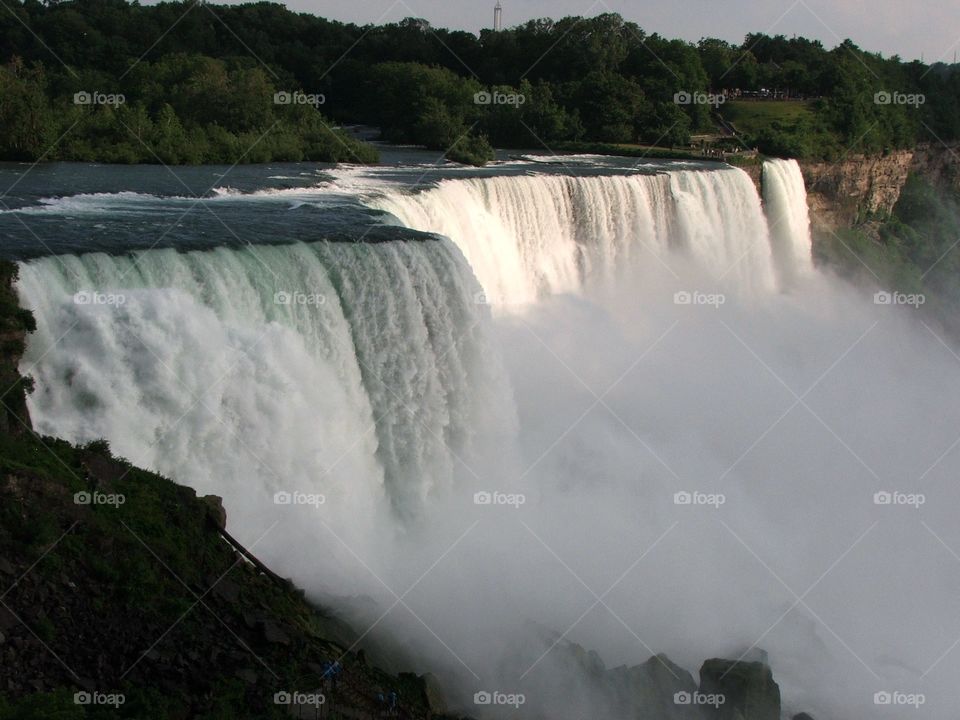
(227, 590)
(104, 469)
(754, 654)
(803, 716)
(748, 688)
(651, 689)
(247, 675)
(7, 619)
(6, 567)
(215, 510)
(433, 694)
(272, 633)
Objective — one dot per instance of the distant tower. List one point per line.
(498, 17)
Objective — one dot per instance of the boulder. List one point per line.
(272, 633)
(215, 510)
(247, 675)
(656, 689)
(433, 694)
(748, 689)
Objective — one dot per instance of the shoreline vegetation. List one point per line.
(89, 80)
(653, 152)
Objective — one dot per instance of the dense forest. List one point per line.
(185, 82)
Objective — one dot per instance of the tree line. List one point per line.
(108, 80)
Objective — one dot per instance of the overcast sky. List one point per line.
(907, 28)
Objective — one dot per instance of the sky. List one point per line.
(908, 28)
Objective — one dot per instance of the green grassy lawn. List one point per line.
(750, 116)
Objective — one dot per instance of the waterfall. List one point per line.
(356, 371)
(788, 215)
(527, 237)
(367, 369)
(376, 376)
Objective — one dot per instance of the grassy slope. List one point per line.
(752, 116)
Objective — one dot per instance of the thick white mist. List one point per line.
(643, 346)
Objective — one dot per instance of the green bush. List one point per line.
(471, 150)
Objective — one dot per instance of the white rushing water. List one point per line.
(652, 334)
(526, 238)
(789, 219)
(349, 370)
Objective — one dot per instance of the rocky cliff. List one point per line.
(15, 323)
(856, 188)
(859, 188)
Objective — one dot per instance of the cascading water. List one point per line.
(343, 369)
(789, 218)
(374, 375)
(529, 237)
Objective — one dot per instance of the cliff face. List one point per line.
(15, 323)
(849, 191)
(859, 187)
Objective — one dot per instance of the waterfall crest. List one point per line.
(526, 237)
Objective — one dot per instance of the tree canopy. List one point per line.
(193, 82)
